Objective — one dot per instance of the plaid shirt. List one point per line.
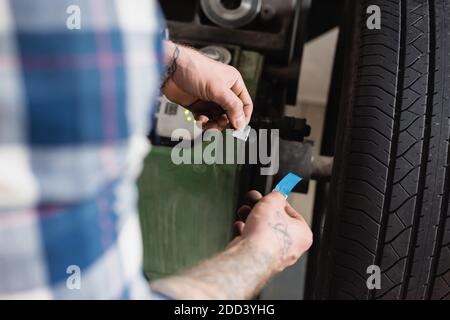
(75, 107)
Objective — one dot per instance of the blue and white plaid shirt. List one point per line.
(75, 106)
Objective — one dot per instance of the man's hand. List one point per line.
(273, 225)
(214, 92)
(272, 238)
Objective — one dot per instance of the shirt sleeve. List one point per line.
(78, 83)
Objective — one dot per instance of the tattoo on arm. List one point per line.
(172, 68)
(282, 234)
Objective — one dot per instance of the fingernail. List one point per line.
(240, 122)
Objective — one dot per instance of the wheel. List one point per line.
(390, 185)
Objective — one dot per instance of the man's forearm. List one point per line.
(239, 272)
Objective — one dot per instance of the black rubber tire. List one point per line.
(390, 183)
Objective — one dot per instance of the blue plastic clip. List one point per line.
(288, 183)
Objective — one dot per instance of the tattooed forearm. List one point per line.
(172, 68)
(238, 273)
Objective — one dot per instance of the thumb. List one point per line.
(232, 105)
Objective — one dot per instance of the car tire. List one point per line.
(389, 209)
